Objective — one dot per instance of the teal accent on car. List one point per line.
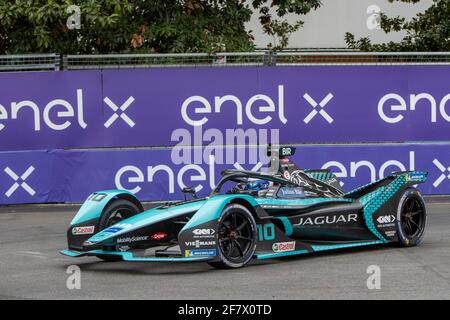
(262, 256)
(213, 208)
(146, 218)
(289, 229)
(416, 176)
(92, 208)
(344, 245)
(298, 202)
(128, 256)
(319, 175)
(71, 253)
(374, 200)
(317, 248)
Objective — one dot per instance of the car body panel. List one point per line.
(93, 207)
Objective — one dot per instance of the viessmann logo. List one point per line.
(200, 243)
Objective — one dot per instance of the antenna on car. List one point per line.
(191, 191)
(279, 158)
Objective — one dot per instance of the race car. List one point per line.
(252, 215)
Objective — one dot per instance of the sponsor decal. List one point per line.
(197, 253)
(98, 197)
(200, 243)
(331, 219)
(113, 229)
(117, 227)
(286, 151)
(288, 191)
(415, 177)
(283, 246)
(386, 219)
(132, 239)
(19, 181)
(159, 236)
(83, 230)
(119, 112)
(445, 172)
(203, 233)
(391, 233)
(318, 108)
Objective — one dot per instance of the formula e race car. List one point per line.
(252, 215)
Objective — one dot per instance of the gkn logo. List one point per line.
(19, 181)
(203, 232)
(386, 219)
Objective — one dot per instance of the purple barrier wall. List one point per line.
(70, 176)
(87, 109)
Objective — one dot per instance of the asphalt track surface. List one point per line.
(32, 268)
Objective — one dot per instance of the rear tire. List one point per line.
(115, 212)
(236, 241)
(411, 218)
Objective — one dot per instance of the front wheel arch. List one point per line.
(245, 204)
(131, 198)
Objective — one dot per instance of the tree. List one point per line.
(280, 29)
(428, 31)
(125, 26)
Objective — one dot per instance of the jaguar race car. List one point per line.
(252, 215)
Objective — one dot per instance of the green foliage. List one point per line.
(280, 29)
(428, 31)
(140, 26)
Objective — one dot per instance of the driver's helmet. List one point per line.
(257, 185)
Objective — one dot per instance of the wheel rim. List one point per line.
(412, 217)
(117, 216)
(235, 236)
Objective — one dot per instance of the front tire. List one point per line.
(115, 212)
(411, 218)
(236, 241)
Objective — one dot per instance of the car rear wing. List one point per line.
(402, 179)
